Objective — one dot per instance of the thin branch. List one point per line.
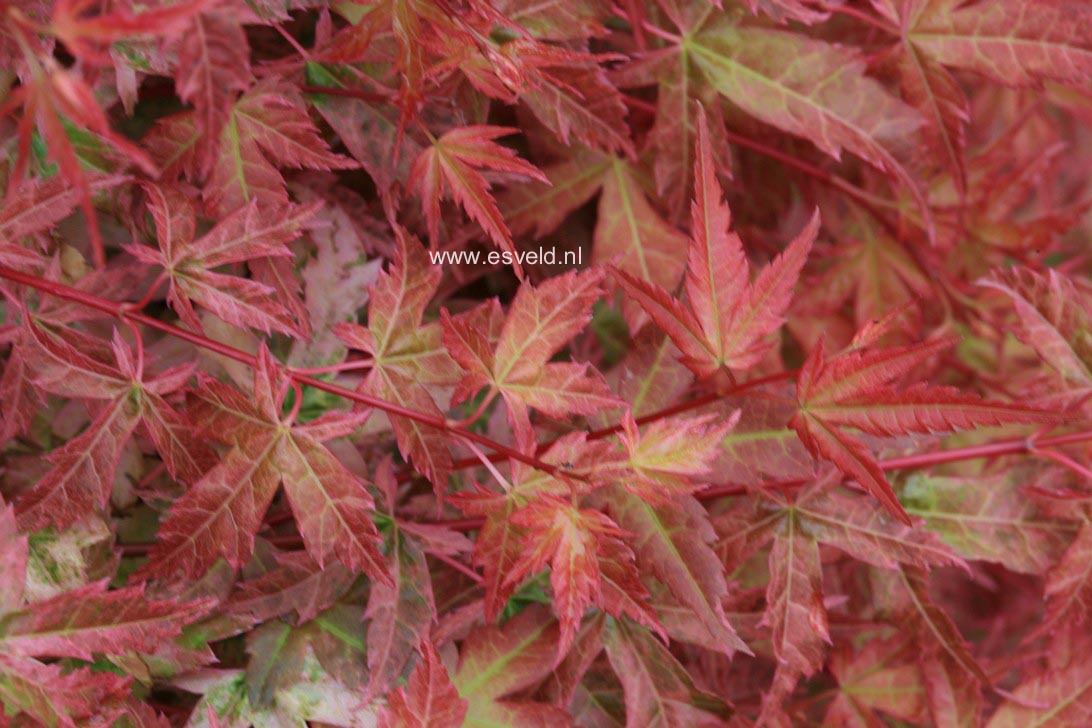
(121, 311)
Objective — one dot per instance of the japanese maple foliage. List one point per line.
(799, 434)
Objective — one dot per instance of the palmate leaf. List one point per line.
(408, 356)
(55, 697)
(855, 391)
(853, 524)
(658, 690)
(250, 233)
(952, 676)
(454, 163)
(1068, 588)
(82, 476)
(220, 514)
(540, 321)
(1053, 319)
(795, 612)
(1002, 39)
(78, 624)
(877, 677)
(630, 232)
(213, 68)
(932, 90)
(400, 614)
(91, 620)
(774, 75)
(295, 585)
(671, 456)
(579, 101)
(579, 545)
(988, 518)
(266, 128)
(1059, 693)
(673, 541)
(730, 319)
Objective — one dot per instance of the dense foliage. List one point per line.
(803, 438)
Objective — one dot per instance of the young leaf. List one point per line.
(729, 320)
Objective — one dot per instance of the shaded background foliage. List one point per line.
(805, 441)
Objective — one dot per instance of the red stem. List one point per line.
(675, 409)
(121, 311)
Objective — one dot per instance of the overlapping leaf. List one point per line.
(729, 319)
(219, 516)
(540, 321)
(855, 390)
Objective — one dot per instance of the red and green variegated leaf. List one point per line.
(454, 163)
(331, 506)
(251, 231)
(90, 620)
(187, 458)
(1068, 587)
(658, 690)
(632, 235)
(578, 101)
(400, 615)
(54, 696)
(1057, 694)
(856, 390)
(857, 526)
(953, 678)
(795, 612)
(13, 562)
(82, 476)
(731, 318)
(213, 67)
(266, 128)
(1008, 41)
(497, 546)
(672, 456)
(219, 515)
(674, 542)
(879, 676)
(497, 661)
(296, 585)
(539, 208)
(775, 75)
(429, 699)
(1054, 319)
(988, 518)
